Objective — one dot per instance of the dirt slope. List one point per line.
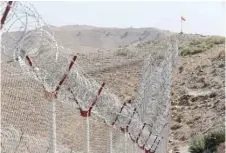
(198, 95)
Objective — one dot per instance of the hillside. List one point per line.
(88, 39)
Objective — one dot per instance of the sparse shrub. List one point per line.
(207, 143)
(198, 50)
(210, 45)
(122, 52)
(107, 34)
(201, 45)
(215, 40)
(148, 42)
(78, 34)
(193, 50)
(155, 42)
(195, 42)
(197, 145)
(180, 47)
(139, 45)
(181, 68)
(124, 35)
(185, 51)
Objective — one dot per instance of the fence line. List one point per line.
(64, 98)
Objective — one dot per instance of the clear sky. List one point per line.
(201, 17)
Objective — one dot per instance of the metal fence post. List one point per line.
(111, 141)
(125, 142)
(52, 140)
(87, 135)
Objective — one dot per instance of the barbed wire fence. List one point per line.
(49, 104)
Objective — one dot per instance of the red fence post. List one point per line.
(6, 12)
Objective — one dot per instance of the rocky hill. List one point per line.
(88, 39)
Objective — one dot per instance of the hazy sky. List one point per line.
(201, 17)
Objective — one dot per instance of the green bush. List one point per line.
(210, 45)
(198, 50)
(122, 52)
(194, 50)
(155, 42)
(149, 42)
(140, 45)
(207, 143)
(215, 40)
(185, 51)
(195, 42)
(197, 145)
(180, 47)
(201, 45)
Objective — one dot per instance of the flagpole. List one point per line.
(181, 26)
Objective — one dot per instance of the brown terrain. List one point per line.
(116, 56)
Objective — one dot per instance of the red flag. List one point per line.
(182, 18)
